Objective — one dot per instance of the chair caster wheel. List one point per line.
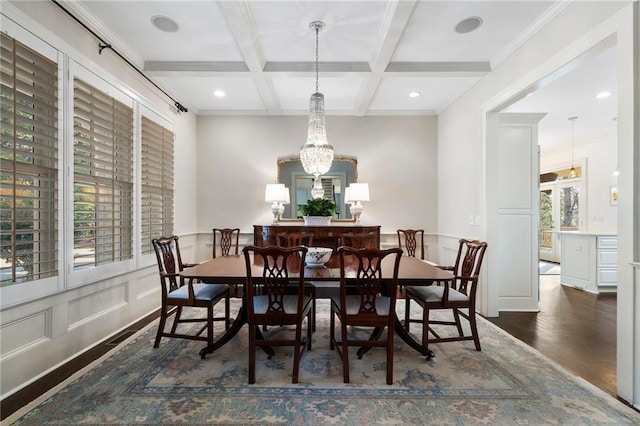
(430, 355)
(203, 353)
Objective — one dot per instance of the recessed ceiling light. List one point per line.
(603, 95)
(219, 94)
(528, 94)
(468, 25)
(414, 94)
(165, 24)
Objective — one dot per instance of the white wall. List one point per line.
(397, 156)
(601, 157)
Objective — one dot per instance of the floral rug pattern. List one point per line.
(506, 383)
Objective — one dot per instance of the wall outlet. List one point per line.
(471, 219)
(477, 220)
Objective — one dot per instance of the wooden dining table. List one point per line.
(232, 270)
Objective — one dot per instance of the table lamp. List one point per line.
(277, 194)
(354, 195)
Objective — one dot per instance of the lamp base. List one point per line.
(356, 211)
(277, 209)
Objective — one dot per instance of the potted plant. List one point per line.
(318, 211)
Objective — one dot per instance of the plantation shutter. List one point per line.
(28, 164)
(103, 177)
(157, 182)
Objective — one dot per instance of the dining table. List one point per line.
(231, 269)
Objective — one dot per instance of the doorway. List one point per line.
(561, 210)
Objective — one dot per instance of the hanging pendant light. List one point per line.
(572, 172)
(316, 155)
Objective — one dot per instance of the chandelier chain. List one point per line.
(317, 56)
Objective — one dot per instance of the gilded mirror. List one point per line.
(343, 172)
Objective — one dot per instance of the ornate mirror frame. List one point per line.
(344, 170)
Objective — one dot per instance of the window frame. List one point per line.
(80, 277)
(148, 259)
(30, 290)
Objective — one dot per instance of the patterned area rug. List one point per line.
(506, 383)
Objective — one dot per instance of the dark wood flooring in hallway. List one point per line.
(574, 328)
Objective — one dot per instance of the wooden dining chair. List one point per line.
(178, 293)
(359, 240)
(293, 239)
(457, 296)
(269, 302)
(410, 240)
(225, 243)
(372, 306)
(225, 240)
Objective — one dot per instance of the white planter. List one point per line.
(317, 220)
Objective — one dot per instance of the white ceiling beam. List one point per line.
(189, 66)
(395, 22)
(240, 21)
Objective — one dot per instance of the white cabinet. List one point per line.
(589, 261)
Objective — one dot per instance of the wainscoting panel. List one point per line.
(97, 304)
(25, 332)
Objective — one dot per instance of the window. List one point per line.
(103, 178)
(28, 164)
(157, 182)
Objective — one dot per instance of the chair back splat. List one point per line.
(229, 238)
(178, 294)
(294, 239)
(459, 297)
(410, 240)
(372, 305)
(270, 301)
(358, 241)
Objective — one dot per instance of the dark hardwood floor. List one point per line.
(14, 402)
(574, 328)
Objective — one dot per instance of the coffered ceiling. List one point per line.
(373, 53)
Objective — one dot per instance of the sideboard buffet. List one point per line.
(323, 236)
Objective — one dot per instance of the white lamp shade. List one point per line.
(359, 192)
(274, 193)
(287, 197)
(347, 195)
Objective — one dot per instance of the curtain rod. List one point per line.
(104, 45)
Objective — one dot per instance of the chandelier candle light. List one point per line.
(278, 194)
(316, 155)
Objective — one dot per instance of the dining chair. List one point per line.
(178, 293)
(459, 294)
(410, 240)
(294, 239)
(359, 240)
(373, 305)
(225, 243)
(228, 239)
(269, 302)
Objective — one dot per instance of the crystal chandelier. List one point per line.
(316, 155)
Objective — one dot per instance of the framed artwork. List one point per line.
(613, 195)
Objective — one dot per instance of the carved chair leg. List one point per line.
(161, 325)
